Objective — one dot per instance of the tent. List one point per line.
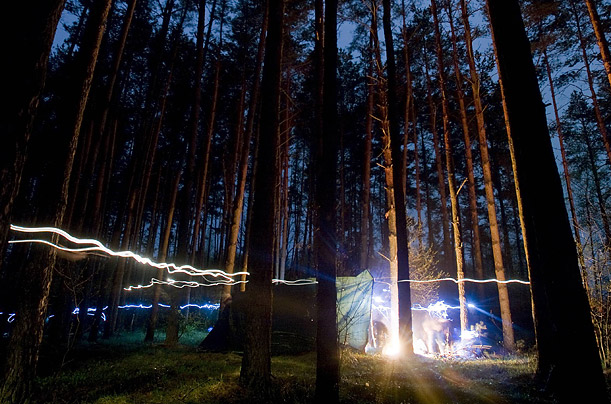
(294, 316)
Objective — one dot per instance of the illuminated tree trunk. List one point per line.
(450, 168)
(603, 45)
(403, 292)
(464, 120)
(255, 374)
(597, 112)
(36, 279)
(391, 213)
(550, 248)
(499, 269)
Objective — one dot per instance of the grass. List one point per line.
(124, 370)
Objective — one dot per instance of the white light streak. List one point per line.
(97, 246)
(466, 280)
(181, 284)
(298, 282)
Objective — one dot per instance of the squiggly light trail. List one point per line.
(180, 284)
(99, 247)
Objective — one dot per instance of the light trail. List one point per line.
(298, 282)
(99, 247)
(492, 280)
(181, 284)
(91, 310)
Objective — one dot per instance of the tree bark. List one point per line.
(562, 313)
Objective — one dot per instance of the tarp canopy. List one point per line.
(354, 294)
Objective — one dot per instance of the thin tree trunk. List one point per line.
(464, 120)
(603, 45)
(445, 222)
(238, 203)
(565, 168)
(597, 112)
(499, 269)
(450, 168)
(550, 248)
(186, 217)
(365, 201)
(163, 253)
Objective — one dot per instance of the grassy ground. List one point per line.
(126, 371)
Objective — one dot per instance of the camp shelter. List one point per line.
(294, 309)
(294, 316)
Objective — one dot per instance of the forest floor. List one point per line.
(124, 370)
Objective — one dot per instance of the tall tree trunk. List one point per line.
(450, 168)
(116, 64)
(404, 297)
(238, 203)
(28, 329)
(445, 221)
(186, 217)
(464, 120)
(602, 42)
(597, 112)
(256, 363)
(325, 237)
(24, 84)
(391, 211)
(163, 254)
(552, 258)
(365, 201)
(565, 169)
(497, 253)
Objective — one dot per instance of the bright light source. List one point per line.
(392, 349)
